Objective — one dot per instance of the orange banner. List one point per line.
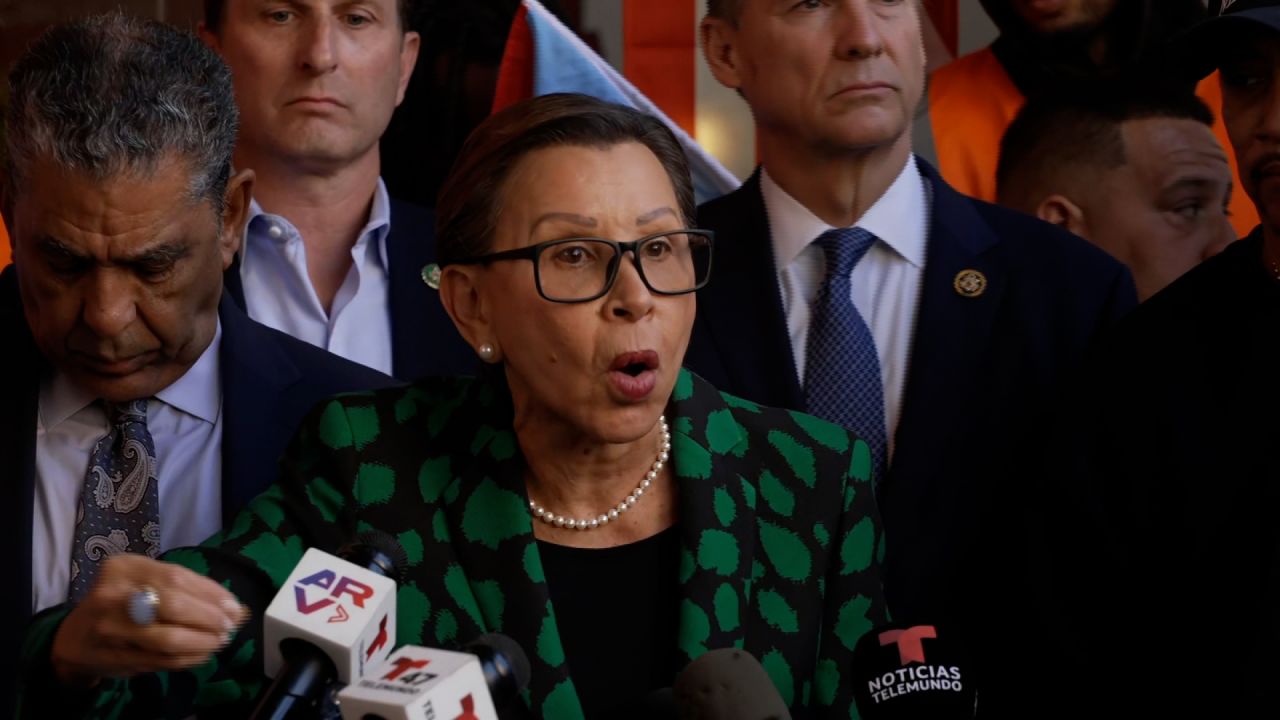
(660, 45)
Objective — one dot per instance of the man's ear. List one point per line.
(235, 214)
(409, 46)
(1061, 211)
(719, 47)
(460, 294)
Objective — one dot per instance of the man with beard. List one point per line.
(1041, 45)
(1160, 495)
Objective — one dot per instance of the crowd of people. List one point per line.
(1022, 397)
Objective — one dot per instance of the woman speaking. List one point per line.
(611, 512)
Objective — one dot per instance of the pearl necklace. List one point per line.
(614, 513)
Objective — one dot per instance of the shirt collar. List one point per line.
(378, 226)
(898, 218)
(197, 393)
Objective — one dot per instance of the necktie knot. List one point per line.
(843, 248)
(121, 414)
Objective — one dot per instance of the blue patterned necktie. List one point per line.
(842, 381)
(120, 502)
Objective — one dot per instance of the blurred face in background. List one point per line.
(316, 81)
(1054, 16)
(1251, 111)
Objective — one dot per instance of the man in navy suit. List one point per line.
(142, 407)
(951, 327)
(328, 256)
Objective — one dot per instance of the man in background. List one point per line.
(853, 283)
(1159, 495)
(142, 407)
(1041, 47)
(329, 257)
(1136, 172)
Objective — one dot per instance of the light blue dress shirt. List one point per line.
(279, 294)
(185, 421)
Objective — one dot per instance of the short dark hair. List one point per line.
(112, 94)
(215, 9)
(1073, 132)
(469, 202)
(724, 9)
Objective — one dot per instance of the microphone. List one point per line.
(911, 672)
(417, 682)
(728, 684)
(330, 619)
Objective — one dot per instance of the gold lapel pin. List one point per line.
(970, 283)
(431, 275)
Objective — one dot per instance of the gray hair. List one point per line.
(110, 95)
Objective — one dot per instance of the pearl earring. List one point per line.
(486, 352)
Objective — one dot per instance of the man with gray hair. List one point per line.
(143, 406)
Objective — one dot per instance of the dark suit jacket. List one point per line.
(778, 537)
(1159, 512)
(269, 380)
(980, 366)
(424, 340)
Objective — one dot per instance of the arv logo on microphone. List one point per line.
(337, 586)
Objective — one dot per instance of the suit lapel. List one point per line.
(741, 308)
(19, 396)
(717, 518)
(255, 374)
(953, 331)
(407, 253)
(499, 582)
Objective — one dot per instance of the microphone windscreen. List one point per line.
(378, 552)
(505, 665)
(728, 684)
(915, 672)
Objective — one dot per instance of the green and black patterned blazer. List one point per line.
(780, 544)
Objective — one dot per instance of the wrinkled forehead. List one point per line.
(1169, 149)
(57, 198)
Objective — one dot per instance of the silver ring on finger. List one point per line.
(144, 605)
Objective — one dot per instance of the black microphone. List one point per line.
(912, 672)
(728, 684)
(327, 621)
(505, 666)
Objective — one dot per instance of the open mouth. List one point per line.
(634, 363)
(633, 374)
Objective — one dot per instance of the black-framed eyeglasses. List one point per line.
(575, 270)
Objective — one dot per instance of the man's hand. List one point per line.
(194, 619)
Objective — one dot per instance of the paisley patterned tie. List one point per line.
(842, 381)
(120, 502)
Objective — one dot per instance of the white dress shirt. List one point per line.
(885, 283)
(185, 422)
(278, 290)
